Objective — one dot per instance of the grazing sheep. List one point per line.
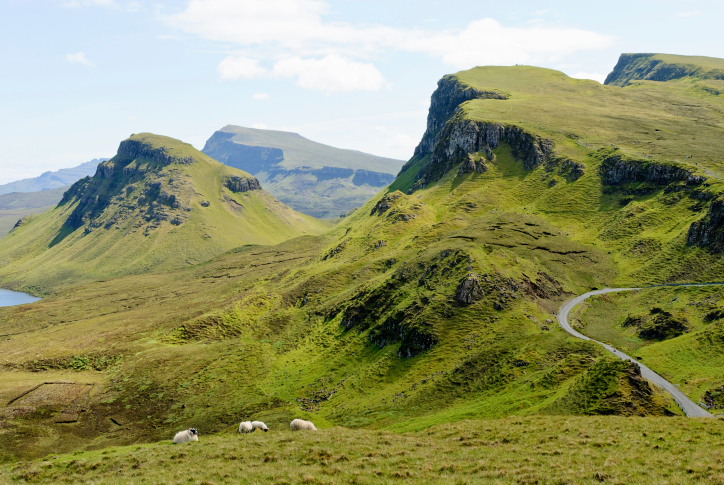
(259, 425)
(186, 436)
(300, 424)
(245, 427)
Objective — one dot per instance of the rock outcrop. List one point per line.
(137, 149)
(616, 170)
(461, 138)
(445, 101)
(709, 231)
(241, 184)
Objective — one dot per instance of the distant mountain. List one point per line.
(310, 177)
(159, 203)
(16, 205)
(53, 180)
(665, 67)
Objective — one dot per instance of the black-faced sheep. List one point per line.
(185, 436)
(300, 424)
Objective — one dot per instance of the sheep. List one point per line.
(245, 427)
(186, 436)
(251, 426)
(300, 424)
(259, 425)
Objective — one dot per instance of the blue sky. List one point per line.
(79, 76)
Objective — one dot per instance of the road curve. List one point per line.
(690, 408)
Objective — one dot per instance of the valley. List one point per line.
(178, 293)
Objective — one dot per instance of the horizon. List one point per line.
(352, 75)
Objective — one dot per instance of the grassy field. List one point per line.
(532, 450)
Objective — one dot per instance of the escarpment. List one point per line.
(445, 101)
(616, 170)
(138, 149)
(461, 138)
(709, 231)
(241, 184)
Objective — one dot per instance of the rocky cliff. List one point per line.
(709, 231)
(444, 103)
(618, 170)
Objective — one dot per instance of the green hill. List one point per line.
(157, 204)
(433, 303)
(313, 178)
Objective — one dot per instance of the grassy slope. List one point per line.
(302, 152)
(669, 121)
(132, 244)
(541, 450)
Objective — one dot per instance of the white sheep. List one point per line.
(300, 424)
(251, 426)
(186, 436)
(245, 427)
(259, 425)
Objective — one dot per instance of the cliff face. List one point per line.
(709, 232)
(615, 170)
(134, 149)
(446, 99)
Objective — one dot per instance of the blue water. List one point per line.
(12, 298)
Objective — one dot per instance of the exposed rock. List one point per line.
(386, 203)
(615, 170)
(241, 184)
(137, 149)
(709, 231)
(446, 99)
(469, 290)
(471, 165)
(461, 137)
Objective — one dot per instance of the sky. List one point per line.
(79, 76)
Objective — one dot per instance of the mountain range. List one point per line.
(178, 293)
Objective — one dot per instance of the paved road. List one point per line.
(690, 408)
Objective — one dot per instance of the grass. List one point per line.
(543, 450)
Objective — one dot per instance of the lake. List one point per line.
(12, 298)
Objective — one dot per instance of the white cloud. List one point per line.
(78, 58)
(331, 74)
(131, 6)
(595, 76)
(240, 68)
(260, 126)
(688, 14)
(260, 96)
(304, 45)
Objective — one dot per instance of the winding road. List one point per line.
(691, 409)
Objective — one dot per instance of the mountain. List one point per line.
(53, 180)
(310, 177)
(159, 203)
(16, 205)
(434, 302)
(666, 67)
